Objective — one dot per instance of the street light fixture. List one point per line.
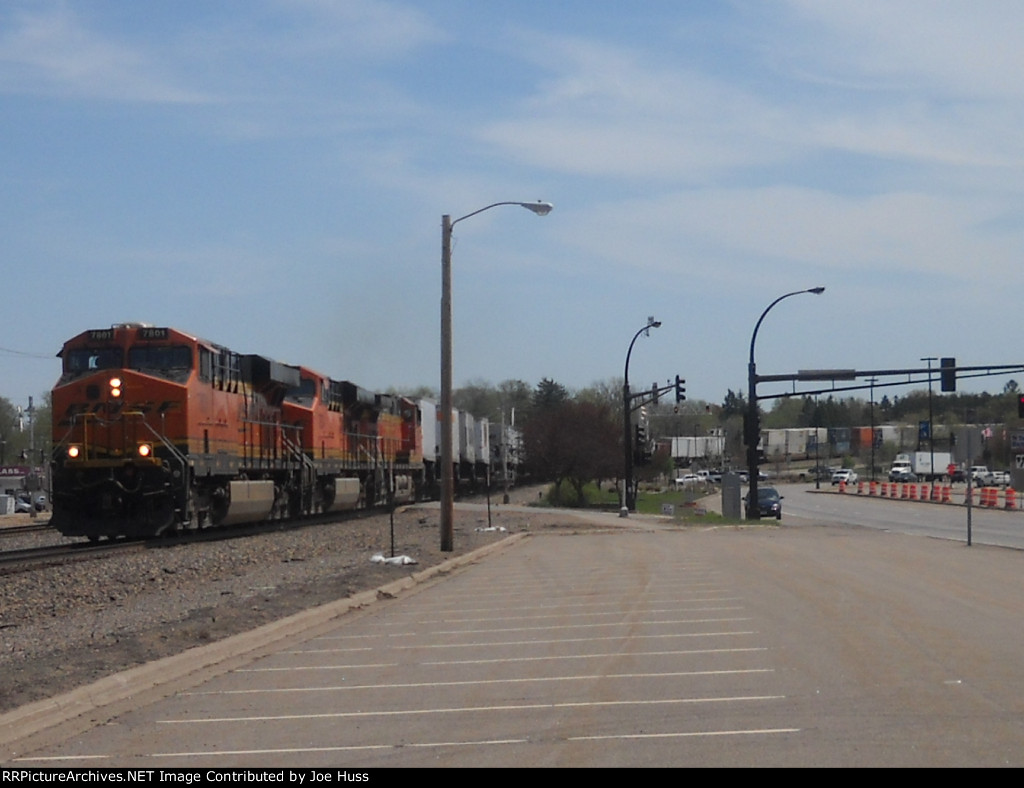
(627, 497)
(752, 431)
(447, 478)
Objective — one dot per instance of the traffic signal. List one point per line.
(680, 389)
(655, 394)
(751, 428)
(948, 374)
(639, 444)
(1020, 406)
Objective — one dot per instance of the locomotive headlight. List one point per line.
(115, 387)
(73, 452)
(145, 450)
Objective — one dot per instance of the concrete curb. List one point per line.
(218, 657)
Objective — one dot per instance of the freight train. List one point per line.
(157, 431)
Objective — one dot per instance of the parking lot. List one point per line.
(638, 644)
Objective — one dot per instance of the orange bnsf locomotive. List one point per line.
(156, 430)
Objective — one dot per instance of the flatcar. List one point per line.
(156, 430)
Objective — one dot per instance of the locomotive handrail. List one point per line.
(174, 450)
(139, 415)
(186, 499)
(296, 451)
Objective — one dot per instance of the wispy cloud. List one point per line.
(52, 52)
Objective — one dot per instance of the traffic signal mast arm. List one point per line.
(952, 373)
(642, 398)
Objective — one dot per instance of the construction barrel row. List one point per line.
(991, 497)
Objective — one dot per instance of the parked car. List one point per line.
(845, 475)
(819, 473)
(769, 502)
(22, 504)
(1000, 478)
(957, 475)
(688, 480)
(902, 475)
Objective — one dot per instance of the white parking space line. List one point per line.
(418, 745)
(561, 614)
(621, 623)
(502, 644)
(621, 736)
(678, 653)
(471, 709)
(485, 682)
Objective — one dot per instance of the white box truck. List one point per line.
(920, 464)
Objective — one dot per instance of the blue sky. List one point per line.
(271, 175)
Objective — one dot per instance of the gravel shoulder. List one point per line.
(63, 628)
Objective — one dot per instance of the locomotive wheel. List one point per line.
(162, 519)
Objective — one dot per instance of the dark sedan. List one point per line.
(769, 502)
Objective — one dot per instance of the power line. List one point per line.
(25, 354)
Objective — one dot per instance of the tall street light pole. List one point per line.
(447, 477)
(752, 431)
(931, 436)
(627, 495)
(872, 382)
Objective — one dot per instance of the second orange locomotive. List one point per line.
(156, 430)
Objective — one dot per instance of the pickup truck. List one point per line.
(981, 476)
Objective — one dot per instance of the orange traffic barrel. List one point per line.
(1011, 498)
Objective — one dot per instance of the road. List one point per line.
(988, 526)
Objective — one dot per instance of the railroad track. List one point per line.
(21, 530)
(32, 558)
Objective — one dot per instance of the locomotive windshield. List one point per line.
(172, 362)
(90, 359)
(303, 393)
